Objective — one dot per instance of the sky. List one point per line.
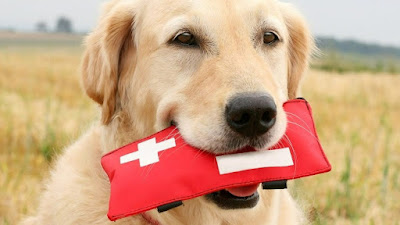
(373, 21)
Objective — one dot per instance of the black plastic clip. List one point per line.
(278, 184)
(169, 206)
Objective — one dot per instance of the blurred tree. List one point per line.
(41, 27)
(64, 25)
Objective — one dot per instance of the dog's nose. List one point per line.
(251, 114)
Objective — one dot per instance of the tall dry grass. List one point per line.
(358, 118)
(42, 109)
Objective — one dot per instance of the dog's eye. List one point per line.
(270, 38)
(185, 38)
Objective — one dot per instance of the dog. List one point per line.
(219, 70)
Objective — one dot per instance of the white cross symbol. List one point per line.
(147, 152)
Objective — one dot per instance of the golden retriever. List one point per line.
(220, 70)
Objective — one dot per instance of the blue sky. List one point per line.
(367, 20)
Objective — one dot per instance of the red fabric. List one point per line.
(184, 172)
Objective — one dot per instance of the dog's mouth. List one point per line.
(236, 198)
(233, 142)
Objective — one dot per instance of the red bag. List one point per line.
(162, 170)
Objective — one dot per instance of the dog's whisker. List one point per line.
(299, 125)
(308, 131)
(312, 135)
(170, 134)
(298, 117)
(280, 145)
(199, 153)
(294, 154)
(160, 154)
(178, 137)
(149, 168)
(174, 150)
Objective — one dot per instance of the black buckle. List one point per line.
(169, 206)
(278, 184)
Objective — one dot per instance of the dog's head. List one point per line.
(220, 70)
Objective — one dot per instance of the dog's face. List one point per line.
(214, 56)
(220, 70)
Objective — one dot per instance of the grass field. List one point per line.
(42, 109)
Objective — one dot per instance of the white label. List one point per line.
(147, 152)
(254, 160)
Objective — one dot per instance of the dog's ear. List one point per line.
(301, 46)
(106, 46)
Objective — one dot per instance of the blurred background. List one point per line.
(353, 86)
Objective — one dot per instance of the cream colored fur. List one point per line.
(142, 82)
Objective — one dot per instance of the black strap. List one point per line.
(169, 206)
(278, 184)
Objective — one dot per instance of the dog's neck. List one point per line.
(149, 219)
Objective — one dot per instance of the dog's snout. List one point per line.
(251, 114)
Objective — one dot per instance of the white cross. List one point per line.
(147, 152)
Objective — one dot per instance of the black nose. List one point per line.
(251, 114)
